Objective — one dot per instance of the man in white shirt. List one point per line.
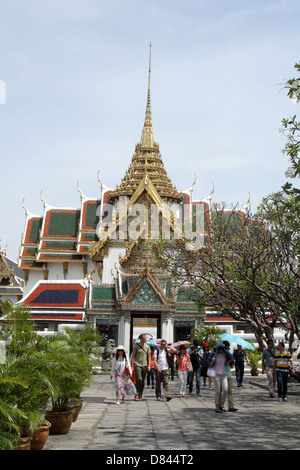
(162, 370)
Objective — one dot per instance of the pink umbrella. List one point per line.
(159, 340)
(180, 343)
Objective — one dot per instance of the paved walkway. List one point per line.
(185, 424)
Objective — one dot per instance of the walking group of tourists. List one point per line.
(155, 364)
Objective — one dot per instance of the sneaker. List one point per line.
(285, 399)
(180, 396)
(223, 409)
(232, 409)
(279, 399)
(219, 411)
(168, 398)
(117, 402)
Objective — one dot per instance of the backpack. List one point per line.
(167, 354)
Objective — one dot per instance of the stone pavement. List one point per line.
(183, 424)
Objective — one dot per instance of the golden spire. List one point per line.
(147, 139)
(148, 117)
(146, 160)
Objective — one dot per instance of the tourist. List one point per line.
(231, 406)
(184, 366)
(141, 360)
(205, 365)
(282, 362)
(268, 358)
(196, 356)
(162, 370)
(122, 373)
(221, 357)
(151, 373)
(171, 357)
(240, 355)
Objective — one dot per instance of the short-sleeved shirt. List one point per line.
(283, 360)
(141, 355)
(239, 356)
(161, 359)
(182, 365)
(269, 357)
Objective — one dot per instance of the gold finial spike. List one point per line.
(42, 199)
(79, 190)
(148, 118)
(149, 76)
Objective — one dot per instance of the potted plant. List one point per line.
(24, 378)
(72, 374)
(254, 359)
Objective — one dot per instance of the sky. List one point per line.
(75, 74)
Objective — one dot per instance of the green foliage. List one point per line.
(291, 129)
(38, 372)
(208, 334)
(254, 358)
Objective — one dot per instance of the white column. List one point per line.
(124, 331)
(167, 327)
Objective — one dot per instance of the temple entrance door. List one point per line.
(144, 323)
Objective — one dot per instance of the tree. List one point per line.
(281, 216)
(237, 268)
(291, 129)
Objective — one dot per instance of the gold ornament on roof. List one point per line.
(147, 160)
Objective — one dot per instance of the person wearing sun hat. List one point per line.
(122, 372)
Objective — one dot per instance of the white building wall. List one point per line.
(33, 278)
(110, 261)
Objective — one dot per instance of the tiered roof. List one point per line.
(57, 300)
(61, 234)
(147, 160)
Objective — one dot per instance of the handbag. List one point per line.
(211, 372)
(127, 369)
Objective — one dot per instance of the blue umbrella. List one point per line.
(237, 340)
(149, 341)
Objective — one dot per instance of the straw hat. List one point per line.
(120, 347)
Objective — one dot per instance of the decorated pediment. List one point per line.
(146, 290)
(6, 273)
(146, 295)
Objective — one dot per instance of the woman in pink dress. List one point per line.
(184, 366)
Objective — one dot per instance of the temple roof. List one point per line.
(61, 234)
(147, 160)
(57, 300)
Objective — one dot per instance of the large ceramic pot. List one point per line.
(75, 407)
(254, 372)
(61, 421)
(40, 437)
(24, 443)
